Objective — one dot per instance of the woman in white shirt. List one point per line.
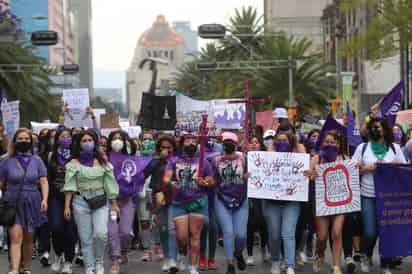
(380, 149)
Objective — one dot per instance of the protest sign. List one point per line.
(133, 132)
(393, 187)
(37, 127)
(404, 116)
(278, 176)
(106, 131)
(189, 112)
(11, 116)
(77, 118)
(109, 120)
(228, 116)
(76, 98)
(264, 119)
(337, 188)
(97, 113)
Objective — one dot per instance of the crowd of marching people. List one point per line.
(82, 198)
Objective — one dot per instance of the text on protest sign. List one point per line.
(37, 127)
(337, 188)
(278, 176)
(76, 98)
(77, 118)
(11, 117)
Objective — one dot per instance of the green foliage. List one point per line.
(30, 86)
(388, 31)
(310, 81)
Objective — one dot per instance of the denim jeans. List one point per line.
(64, 233)
(120, 232)
(92, 226)
(171, 239)
(281, 219)
(370, 228)
(234, 226)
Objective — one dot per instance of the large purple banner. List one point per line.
(393, 187)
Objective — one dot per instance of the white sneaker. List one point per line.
(290, 271)
(386, 271)
(303, 257)
(365, 264)
(58, 264)
(350, 265)
(182, 263)
(250, 260)
(165, 266)
(99, 268)
(67, 268)
(193, 270)
(275, 269)
(44, 259)
(90, 271)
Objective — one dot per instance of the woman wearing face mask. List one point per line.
(282, 216)
(103, 145)
(398, 135)
(120, 228)
(381, 148)
(268, 138)
(331, 150)
(256, 221)
(312, 141)
(63, 232)
(21, 173)
(189, 202)
(90, 182)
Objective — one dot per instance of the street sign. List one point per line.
(44, 38)
(212, 31)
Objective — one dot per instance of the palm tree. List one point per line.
(30, 86)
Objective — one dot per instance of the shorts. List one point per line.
(179, 210)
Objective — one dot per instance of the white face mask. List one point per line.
(117, 145)
(268, 142)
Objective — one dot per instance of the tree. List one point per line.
(30, 86)
(310, 82)
(389, 29)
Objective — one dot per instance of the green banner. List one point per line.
(347, 81)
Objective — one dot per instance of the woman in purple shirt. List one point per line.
(20, 173)
(189, 201)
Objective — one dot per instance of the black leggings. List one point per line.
(256, 223)
(351, 228)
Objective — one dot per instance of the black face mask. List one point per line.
(23, 146)
(190, 150)
(375, 134)
(229, 147)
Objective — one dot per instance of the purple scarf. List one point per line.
(63, 155)
(24, 159)
(86, 158)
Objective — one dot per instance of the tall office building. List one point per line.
(302, 18)
(189, 35)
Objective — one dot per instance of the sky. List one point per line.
(117, 25)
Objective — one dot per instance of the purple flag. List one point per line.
(128, 171)
(330, 124)
(393, 209)
(391, 103)
(353, 135)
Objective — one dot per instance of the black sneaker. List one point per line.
(44, 259)
(241, 264)
(79, 260)
(173, 270)
(231, 269)
(350, 265)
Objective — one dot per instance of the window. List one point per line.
(166, 53)
(172, 55)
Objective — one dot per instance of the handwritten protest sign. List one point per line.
(133, 132)
(11, 116)
(37, 127)
(337, 188)
(77, 118)
(393, 188)
(76, 98)
(106, 131)
(97, 113)
(278, 176)
(109, 120)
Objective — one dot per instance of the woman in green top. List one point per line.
(90, 183)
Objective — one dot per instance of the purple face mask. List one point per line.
(312, 142)
(87, 154)
(65, 142)
(282, 146)
(398, 136)
(329, 153)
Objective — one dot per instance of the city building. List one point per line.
(371, 80)
(190, 37)
(302, 18)
(109, 95)
(165, 44)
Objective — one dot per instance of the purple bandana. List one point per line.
(86, 158)
(24, 159)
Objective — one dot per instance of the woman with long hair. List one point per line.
(379, 149)
(90, 183)
(331, 150)
(189, 202)
(63, 232)
(21, 173)
(282, 216)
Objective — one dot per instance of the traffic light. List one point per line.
(44, 38)
(212, 31)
